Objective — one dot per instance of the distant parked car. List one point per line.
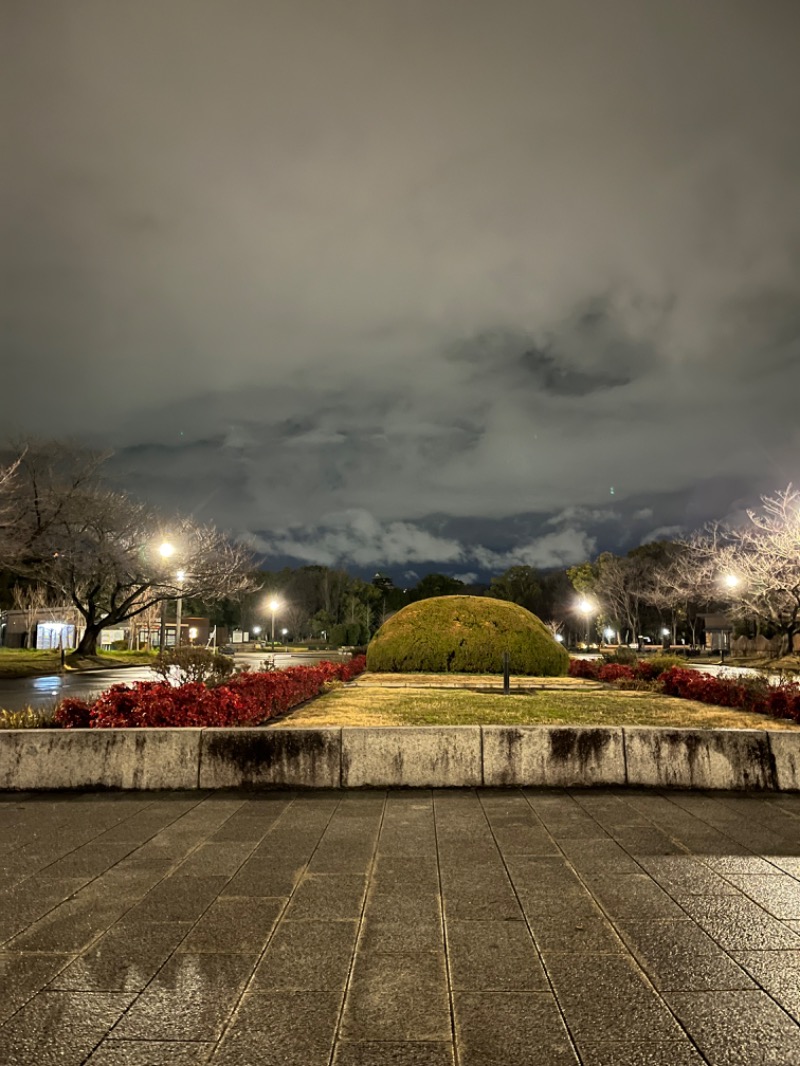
(227, 649)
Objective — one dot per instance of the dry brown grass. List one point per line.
(370, 704)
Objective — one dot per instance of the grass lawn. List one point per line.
(368, 704)
(20, 662)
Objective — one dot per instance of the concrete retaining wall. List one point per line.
(423, 757)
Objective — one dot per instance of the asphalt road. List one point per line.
(48, 690)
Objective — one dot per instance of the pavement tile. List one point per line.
(71, 926)
(215, 859)
(130, 880)
(647, 1054)
(124, 959)
(400, 937)
(493, 957)
(88, 861)
(190, 998)
(778, 972)
(419, 868)
(743, 1028)
(778, 894)
(181, 915)
(397, 998)
(307, 956)
(232, 924)
(328, 896)
(606, 999)
(634, 896)
(686, 876)
(177, 899)
(740, 923)
(150, 1053)
(581, 933)
(281, 1029)
(390, 1054)
(22, 976)
(403, 901)
(260, 877)
(508, 1027)
(50, 1018)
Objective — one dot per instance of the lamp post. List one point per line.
(273, 606)
(586, 609)
(165, 551)
(181, 574)
(283, 636)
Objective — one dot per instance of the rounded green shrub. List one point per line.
(465, 635)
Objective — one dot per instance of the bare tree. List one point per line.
(100, 549)
(10, 539)
(755, 567)
(30, 600)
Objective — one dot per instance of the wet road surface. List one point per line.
(418, 928)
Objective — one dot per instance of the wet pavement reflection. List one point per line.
(605, 927)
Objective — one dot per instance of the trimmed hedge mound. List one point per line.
(465, 635)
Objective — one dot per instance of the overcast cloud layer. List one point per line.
(439, 284)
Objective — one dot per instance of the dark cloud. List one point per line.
(365, 281)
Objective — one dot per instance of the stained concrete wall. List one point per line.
(552, 756)
(99, 758)
(425, 757)
(290, 758)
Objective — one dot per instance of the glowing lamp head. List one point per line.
(584, 607)
(731, 581)
(273, 605)
(166, 550)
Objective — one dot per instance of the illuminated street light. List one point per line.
(608, 633)
(273, 606)
(165, 551)
(586, 610)
(731, 580)
(181, 574)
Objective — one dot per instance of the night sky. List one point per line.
(409, 285)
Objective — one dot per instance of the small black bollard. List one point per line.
(506, 678)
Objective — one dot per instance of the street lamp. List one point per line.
(181, 574)
(608, 633)
(586, 610)
(731, 580)
(283, 635)
(165, 551)
(273, 606)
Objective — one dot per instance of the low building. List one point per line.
(47, 627)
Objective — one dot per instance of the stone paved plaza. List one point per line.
(454, 928)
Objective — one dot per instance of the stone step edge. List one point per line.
(499, 756)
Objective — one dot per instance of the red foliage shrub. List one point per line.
(72, 714)
(616, 672)
(586, 668)
(244, 700)
(749, 694)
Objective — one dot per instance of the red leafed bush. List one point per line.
(586, 668)
(616, 672)
(73, 714)
(245, 700)
(749, 694)
(647, 671)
